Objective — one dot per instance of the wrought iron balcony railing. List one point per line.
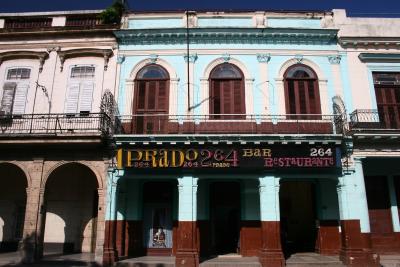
(229, 124)
(384, 119)
(54, 124)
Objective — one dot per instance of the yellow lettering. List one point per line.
(119, 159)
(194, 155)
(181, 158)
(151, 154)
(163, 161)
(247, 152)
(266, 152)
(257, 153)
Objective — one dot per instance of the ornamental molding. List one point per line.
(41, 56)
(379, 57)
(191, 58)
(263, 58)
(227, 36)
(335, 59)
(370, 42)
(72, 53)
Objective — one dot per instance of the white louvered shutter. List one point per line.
(71, 104)
(20, 98)
(86, 97)
(8, 98)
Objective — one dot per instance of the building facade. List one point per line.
(57, 77)
(234, 139)
(198, 134)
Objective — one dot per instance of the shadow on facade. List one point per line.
(70, 210)
(12, 206)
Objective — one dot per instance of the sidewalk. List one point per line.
(12, 259)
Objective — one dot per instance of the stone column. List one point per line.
(110, 252)
(187, 251)
(100, 225)
(393, 204)
(271, 250)
(353, 208)
(31, 246)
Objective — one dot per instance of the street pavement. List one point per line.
(12, 259)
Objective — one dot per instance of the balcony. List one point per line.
(370, 120)
(162, 124)
(36, 125)
(27, 23)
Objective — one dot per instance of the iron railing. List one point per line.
(229, 124)
(51, 124)
(27, 23)
(372, 119)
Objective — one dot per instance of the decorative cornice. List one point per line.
(379, 57)
(104, 53)
(335, 59)
(191, 58)
(263, 58)
(41, 56)
(370, 42)
(226, 36)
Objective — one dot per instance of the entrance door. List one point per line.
(298, 217)
(157, 217)
(225, 217)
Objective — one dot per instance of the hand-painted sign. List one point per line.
(265, 157)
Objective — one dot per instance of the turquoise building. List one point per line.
(234, 140)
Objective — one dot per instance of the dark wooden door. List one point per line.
(378, 204)
(151, 107)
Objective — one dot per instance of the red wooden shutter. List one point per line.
(226, 98)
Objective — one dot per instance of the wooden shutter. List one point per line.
(20, 98)
(8, 98)
(226, 98)
(162, 96)
(86, 96)
(71, 106)
(238, 97)
(151, 95)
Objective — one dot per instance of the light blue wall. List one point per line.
(294, 23)
(216, 22)
(155, 23)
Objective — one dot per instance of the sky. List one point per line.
(355, 8)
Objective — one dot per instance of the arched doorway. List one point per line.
(227, 94)
(301, 92)
(12, 206)
(151, 99)
(71, 202)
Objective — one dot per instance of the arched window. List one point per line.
(226, 92)
(151, 98)
(301, 91)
